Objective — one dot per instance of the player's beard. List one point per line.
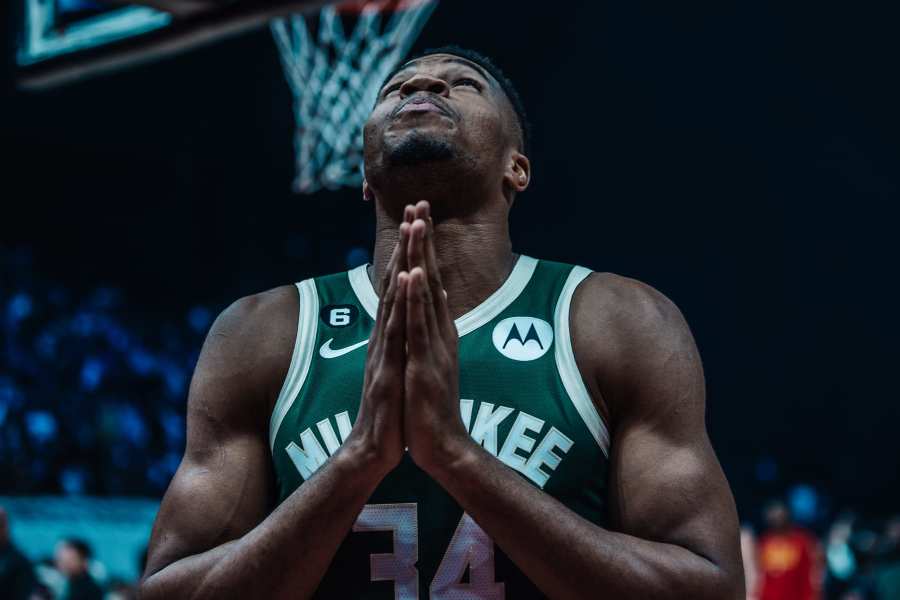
(424, 165)
(418, 148)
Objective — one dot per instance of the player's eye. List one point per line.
(467, 81)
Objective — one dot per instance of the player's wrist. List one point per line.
(372, 460)
(450, 455)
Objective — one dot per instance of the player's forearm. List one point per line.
(286, 555)
(565, 555)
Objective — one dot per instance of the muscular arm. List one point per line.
(674, 525)
(212, 537)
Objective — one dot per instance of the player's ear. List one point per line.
(368, 195)
(518, 171)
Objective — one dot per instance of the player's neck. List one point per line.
(474, 255)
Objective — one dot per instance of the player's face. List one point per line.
(437, 107)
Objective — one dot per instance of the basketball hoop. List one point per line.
(334, 78)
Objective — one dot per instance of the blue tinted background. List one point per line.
(740, 157)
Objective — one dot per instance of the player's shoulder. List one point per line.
(619, 324)
(618, 303)
(253, 317)
(251, 341)
(270, 316)
(625, 333)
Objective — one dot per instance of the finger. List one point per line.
(437, 316)
(396, 264)
(444, 320)
(435, 331)
(390, 300)
(430, 292)
(409, 213)
(403, 245)
(386, 298)
(395, 329)
(422, 210)
(417, 337)
(415, 254)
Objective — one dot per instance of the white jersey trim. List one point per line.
(568, 368)
(304, 346)
(475, 318)
(362, 287)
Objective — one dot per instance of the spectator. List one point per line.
(72, 557)
(788, 558)
(16, 575)
(886, 578)
(91, 394)
(840, 559)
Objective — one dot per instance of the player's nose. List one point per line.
(422, 82)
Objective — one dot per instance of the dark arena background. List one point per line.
(741, 157)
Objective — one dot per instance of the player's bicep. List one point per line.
(223, 487)
(666, 483)
(673, 492)
(211, 502)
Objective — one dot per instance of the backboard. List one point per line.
(60, 41)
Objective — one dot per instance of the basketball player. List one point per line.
(454, 420)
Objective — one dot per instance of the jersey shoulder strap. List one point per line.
(334, 299)
(565, 360)
(301, 358)
(551, 290)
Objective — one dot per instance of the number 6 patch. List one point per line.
(339, 315)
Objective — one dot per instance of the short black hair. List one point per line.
(79, 546)
(488, 65)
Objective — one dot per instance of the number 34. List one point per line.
(470, 547)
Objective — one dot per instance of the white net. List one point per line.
(335, 79)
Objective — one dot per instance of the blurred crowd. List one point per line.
(104, 413)
(70, 574)
(855, 559)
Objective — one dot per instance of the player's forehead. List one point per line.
(439, 61)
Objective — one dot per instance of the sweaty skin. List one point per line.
(674, 528)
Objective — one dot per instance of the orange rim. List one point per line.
(356, 7)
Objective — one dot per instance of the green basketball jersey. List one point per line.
(521, 397)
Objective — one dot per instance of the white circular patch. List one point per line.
(523, 338)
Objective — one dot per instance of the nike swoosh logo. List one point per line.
(326, 351)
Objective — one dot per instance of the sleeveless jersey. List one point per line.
(521, 397)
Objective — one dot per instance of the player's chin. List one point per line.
(421, 144)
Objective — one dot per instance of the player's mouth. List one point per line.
(423, 104)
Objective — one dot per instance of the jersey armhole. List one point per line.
(307, 325)
(568, 368)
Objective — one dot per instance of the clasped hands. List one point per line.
(410, 397)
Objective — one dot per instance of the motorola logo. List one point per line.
(523, 338)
